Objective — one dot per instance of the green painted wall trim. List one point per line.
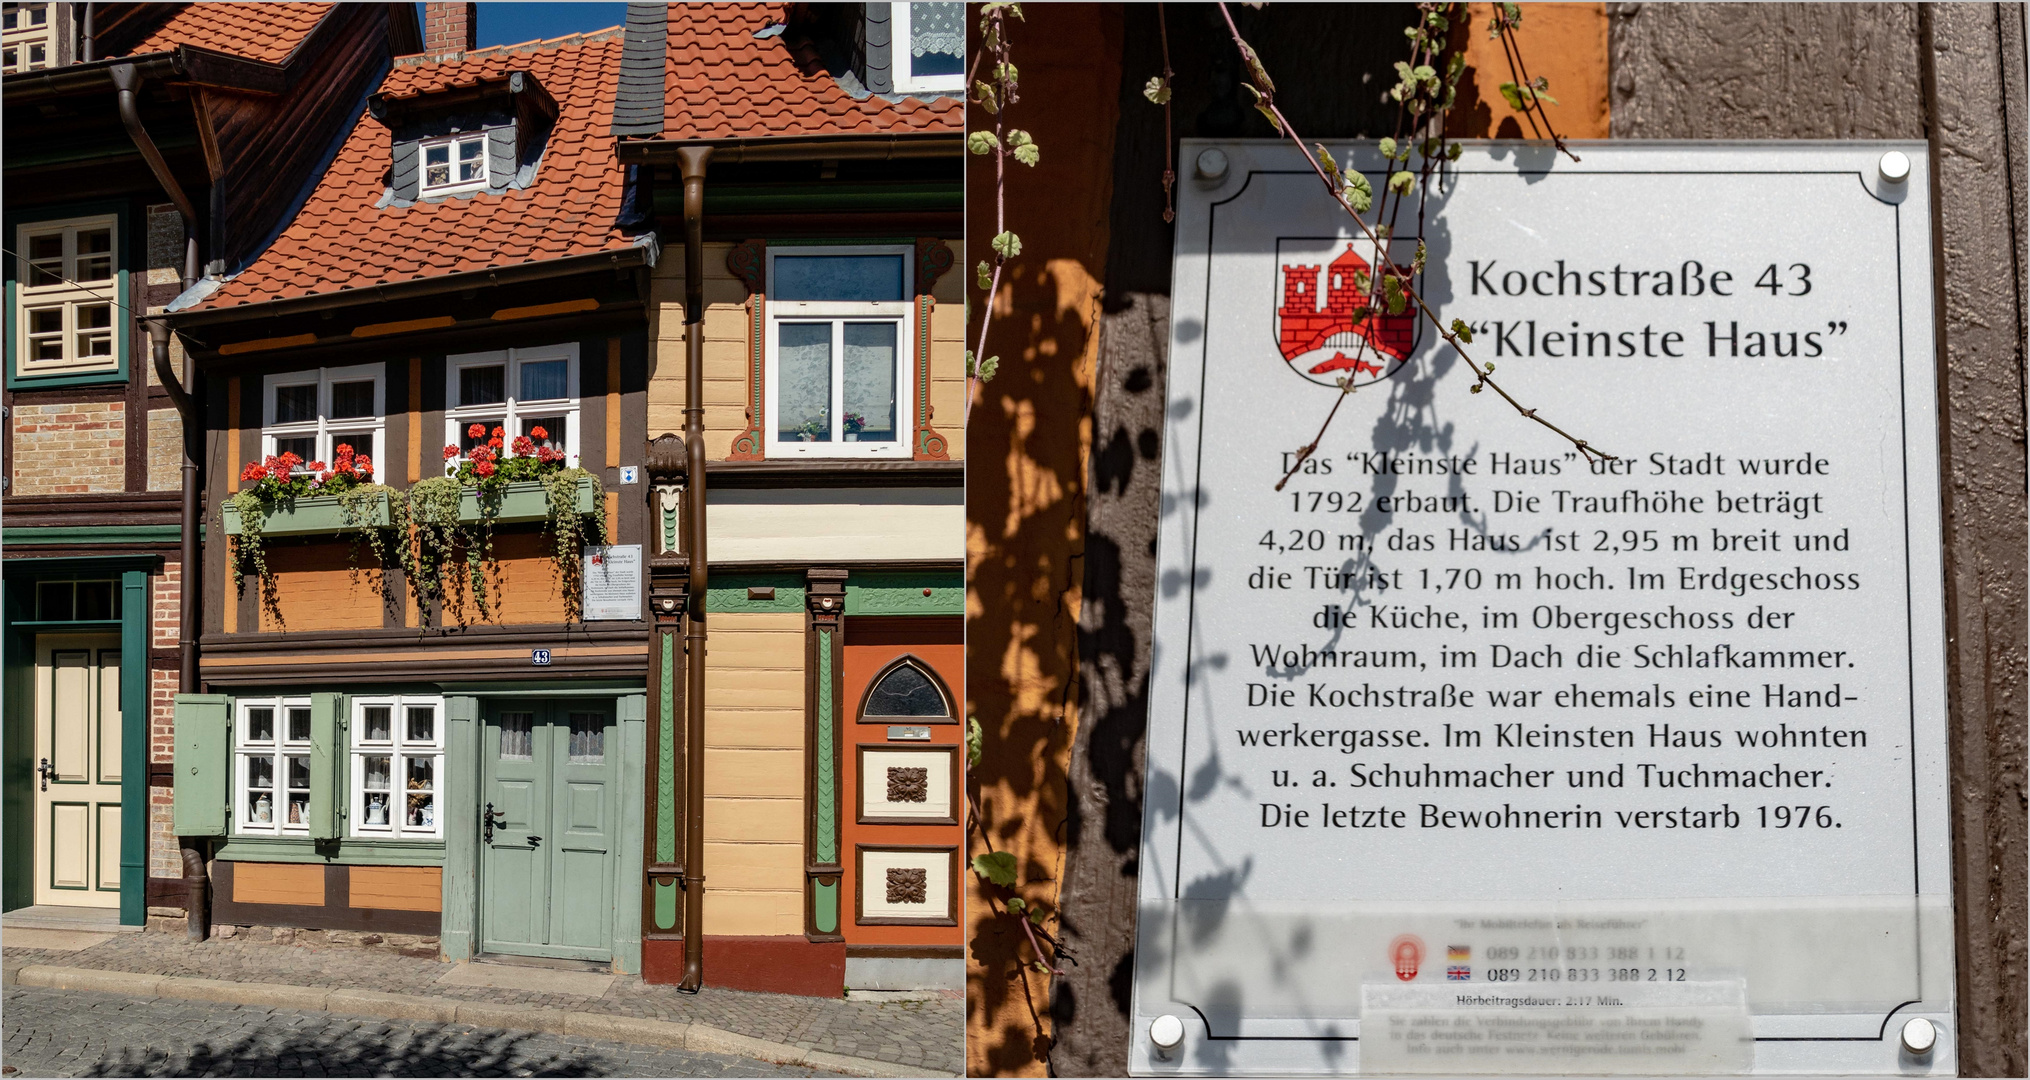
(631, 712)
(825, 908)
(341, 853)
(666, 905)
(666, 763)
(729, 592)
(134, 730)
(458, 924)
(92, 535)
(828, 782)
(902, 592)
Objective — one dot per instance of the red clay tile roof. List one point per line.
(721, 83)
(339, 238)
(256, 31)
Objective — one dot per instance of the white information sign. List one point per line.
(1469, 754)
(612, 581)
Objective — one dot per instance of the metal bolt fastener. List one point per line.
(1919, 1034)
(1895, 169)
(1167, 1031)
(1212, 165)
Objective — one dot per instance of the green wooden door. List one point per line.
(549, 774)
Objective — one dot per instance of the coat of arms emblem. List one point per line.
(1334, 322)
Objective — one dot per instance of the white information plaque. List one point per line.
(1468, 754)
(612, 581)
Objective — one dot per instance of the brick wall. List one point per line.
(70, 448)
(450, 28)
(164, 856)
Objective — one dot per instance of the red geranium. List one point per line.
(253, 471)
(497, 433)
(364, 465)
(476, 431)
(484, 469)
(538, 432)
(450, 452)
(524, 445)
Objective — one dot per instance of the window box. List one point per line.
(523, 501)
(309, 514)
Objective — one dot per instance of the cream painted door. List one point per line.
(77, 770)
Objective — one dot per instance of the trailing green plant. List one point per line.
(278, 481)
(487, 466)
(424, 533)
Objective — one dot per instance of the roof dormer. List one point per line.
(468, 137)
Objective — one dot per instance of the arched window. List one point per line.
(906, 691)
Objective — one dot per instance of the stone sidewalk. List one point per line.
(913, 1037)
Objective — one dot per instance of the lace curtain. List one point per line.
(937, 28)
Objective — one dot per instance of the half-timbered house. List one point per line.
(147, 146)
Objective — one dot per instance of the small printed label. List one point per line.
(539, 657)
(908, 734)
(630, 474)
(1641, 1029)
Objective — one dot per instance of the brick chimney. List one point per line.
(449, 29)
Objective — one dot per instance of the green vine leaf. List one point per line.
(1016, 904)
(1359, 193)
(982, 142)
(1007, 245)
(1023, 147)
(1388, 148)
(1403, 182)
(1462, 331)
(1157, 90)
(1325, 157)
(986, 97)
(997, 867)
(975, 737)
(985, 274)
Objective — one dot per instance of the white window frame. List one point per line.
(423, 148)
(21, 38)
(901, 312)
(247, 749)
(508, 414)
(902, 62)
(327, 431)
(29, 298)
(399, 749)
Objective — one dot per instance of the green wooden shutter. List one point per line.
(327, 765)
(203, 781)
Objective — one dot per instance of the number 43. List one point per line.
(1773, 281)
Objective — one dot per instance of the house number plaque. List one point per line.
(1472, 752)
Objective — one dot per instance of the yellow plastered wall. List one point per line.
(725, 350)
(727, 353)
(948, 356)
(754, 774)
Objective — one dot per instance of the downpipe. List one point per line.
(197, 913)
(692, 160)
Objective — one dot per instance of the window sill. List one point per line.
(348, 851)
(57, 380)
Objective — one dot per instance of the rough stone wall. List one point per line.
(70, 448)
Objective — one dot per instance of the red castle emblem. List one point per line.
(1349, 318)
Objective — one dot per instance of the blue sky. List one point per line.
(509, 24)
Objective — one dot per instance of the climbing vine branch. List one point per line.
(995, 93)
(1424, 96)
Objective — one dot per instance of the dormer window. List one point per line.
(458, 142)
(929, 50)
(454, 163)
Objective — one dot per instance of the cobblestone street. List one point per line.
(914, 1035)
(78, 1033)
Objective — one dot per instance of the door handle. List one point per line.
(535, 840)
(486, 821)
(45, 771)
